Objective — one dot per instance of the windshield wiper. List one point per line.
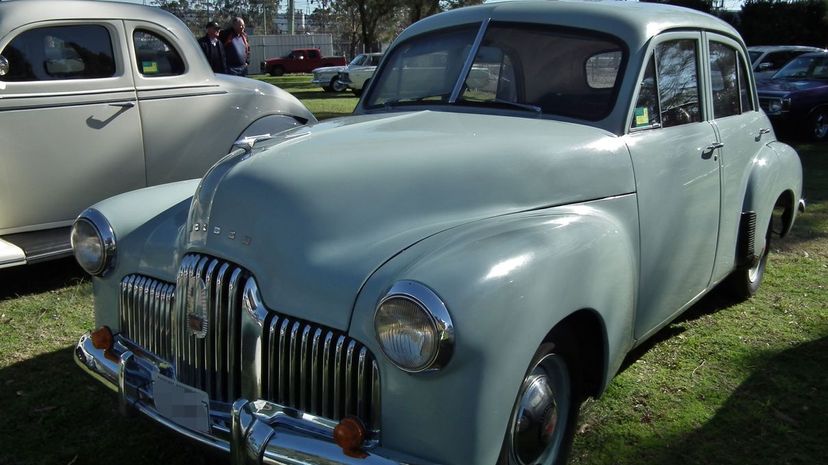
(414, 100)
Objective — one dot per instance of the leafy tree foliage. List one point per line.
(701, 5)
(771, 22)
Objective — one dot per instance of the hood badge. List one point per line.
(217, 231)
(197, 317)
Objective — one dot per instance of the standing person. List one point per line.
(237, 49)
(213, 49)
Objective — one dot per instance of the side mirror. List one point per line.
(4, 66)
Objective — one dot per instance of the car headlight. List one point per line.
(414, 328)
(93, 242)
(778, 105)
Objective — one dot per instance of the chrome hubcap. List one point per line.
(536, 428)
(821, 126)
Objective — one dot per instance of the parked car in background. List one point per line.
(443, 276)
(328, 77)
(768, 59)
(796, 97)
(300, 60)
(99, 98)
(357, 76)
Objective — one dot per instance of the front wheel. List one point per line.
(544, 416)
(337, 86)
(818, 125)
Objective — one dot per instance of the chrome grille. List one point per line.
(320, 371)
(304, 366)
(145, 313)
(210, 363)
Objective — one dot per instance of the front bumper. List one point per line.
(252, 432)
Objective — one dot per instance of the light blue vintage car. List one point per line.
(471, 261)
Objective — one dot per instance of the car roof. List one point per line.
(16, 13)
(779, 48)
(633, 22)
(822, 53)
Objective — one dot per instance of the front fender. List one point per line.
(148, 226)
(507, 282)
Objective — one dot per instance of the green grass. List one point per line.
(728, 383)
(322, 104)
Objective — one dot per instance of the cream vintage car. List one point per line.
(468, 264)
(99, 98)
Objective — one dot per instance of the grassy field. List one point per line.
(726, 384)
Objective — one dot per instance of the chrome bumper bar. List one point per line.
(261, 432)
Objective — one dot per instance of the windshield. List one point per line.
(357, 60)
(542, 70)
(805, 67)
(754, 56)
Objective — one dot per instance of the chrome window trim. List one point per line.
(436, 310)
(461, 78)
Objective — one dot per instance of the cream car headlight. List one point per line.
(93, 242)
(414, 328)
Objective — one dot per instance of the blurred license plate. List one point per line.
(185, 405)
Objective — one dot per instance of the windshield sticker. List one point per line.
(149, 67)
(642, 117)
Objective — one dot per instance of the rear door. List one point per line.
(675, 155)
(69, 127)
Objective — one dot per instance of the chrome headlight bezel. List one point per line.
(105, 237)
(433, 308)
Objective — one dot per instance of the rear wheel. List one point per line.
(744, 282)
(544, 416)
(277, 71)
(818, 125)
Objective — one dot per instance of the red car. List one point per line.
(300, 60)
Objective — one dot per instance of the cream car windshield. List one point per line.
(540, 70)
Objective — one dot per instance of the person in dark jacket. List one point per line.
(213, 48)
(237, 49)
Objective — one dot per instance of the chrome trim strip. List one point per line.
(461, 79)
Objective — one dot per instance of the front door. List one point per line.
(676, 159)
(70, 133)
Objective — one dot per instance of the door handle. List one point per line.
(708, 151)
(123, 105)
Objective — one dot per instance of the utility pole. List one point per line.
(291, 18)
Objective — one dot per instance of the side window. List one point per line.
(313, 54)
(646, 112)
(678, 88)
(744, 88)
(60, 53)
(724, 80)
(155, 56)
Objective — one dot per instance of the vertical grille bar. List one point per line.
(212, 329)
(273, 366)
(284, 348)
(304, 372)
(316, 365)
(220, 346)
(349, 379)
(361, 408)
(375, 396)
(327, 374)
(233, 309)
(293, 398)
(339, 366)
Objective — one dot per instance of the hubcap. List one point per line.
(536, 428)
(821, 126)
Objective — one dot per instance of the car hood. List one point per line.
(789, 85)
(329, 69)
(313, 214)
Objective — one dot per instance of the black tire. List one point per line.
(544, 436)
(744, 282)
(337, 86)
(818, 125)
(277, 71)
(327, 88)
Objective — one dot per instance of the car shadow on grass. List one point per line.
(56, 414)
(776, 416)
(33, 279)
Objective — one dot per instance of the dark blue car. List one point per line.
(796, 97)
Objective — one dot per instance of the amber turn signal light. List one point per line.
(349, 434)
(102, 338)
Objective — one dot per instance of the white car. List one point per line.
(356, 77)
(99, 98)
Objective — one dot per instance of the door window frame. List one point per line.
(741, 55)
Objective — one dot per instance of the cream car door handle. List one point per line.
(123, 105)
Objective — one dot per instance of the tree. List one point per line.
(701, 5)
(798, 22)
